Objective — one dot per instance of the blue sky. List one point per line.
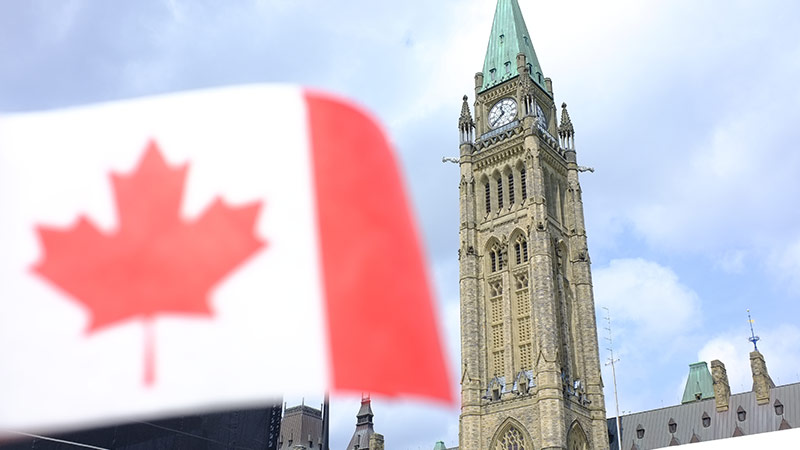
(688, 111)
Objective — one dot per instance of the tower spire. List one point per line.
(566, 131)
(466, 126)
(509, 37)
(753, 338)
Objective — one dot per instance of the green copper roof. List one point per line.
(700, 385)
(439, 446)
(509, 37)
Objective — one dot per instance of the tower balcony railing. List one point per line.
(486, 137)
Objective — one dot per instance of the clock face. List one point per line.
(502, 112)
(542, 118)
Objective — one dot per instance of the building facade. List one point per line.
(301, 428)
(709, 412)
(531, 372)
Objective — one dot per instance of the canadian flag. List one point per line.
(205, 250)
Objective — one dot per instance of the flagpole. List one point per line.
(326, 410)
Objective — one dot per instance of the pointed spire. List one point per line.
(566, 131)
(699, 384)
(466, 116)
(365, 414)
(566, 123)
(509, 38)
(466, 126)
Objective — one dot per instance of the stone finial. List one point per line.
(466, 116)
(722, 389)
(466, 127)
(762, 382)
(566, 132)
(566, 128)
(376, 442)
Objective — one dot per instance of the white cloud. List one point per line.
(653, 317)
(646, 297)
(785, 262)
(731, 261)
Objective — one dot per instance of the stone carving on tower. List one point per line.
(530, 362)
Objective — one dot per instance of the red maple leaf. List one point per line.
(155, 262)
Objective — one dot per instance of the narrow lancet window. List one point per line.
(523, 183)
(488, 198)
(510, 189)
(499, 193)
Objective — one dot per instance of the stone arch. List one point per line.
(576, 437)
(496, 255)
(511, 435)
(519, 248)
(499, 193)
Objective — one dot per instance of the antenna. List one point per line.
(753, 338)
(612, 362)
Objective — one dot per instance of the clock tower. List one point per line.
(530, 375)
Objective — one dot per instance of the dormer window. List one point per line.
(493, 74)
(640, 431)
(706, 420)
(508, 67)
(778, 407)
(741, 414)
(672, 426)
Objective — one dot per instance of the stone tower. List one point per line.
(531, 371)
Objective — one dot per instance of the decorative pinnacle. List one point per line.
(753, 338)
(466, 117)
(566, 124)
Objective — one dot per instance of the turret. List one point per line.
(762, 382)
(566, 132)
(466, 126)
(722, 389)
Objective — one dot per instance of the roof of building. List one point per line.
(364, 426)
(699, 385)
(700, 420)
(301, 425)
(509, 37)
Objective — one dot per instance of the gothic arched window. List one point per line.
(521, 250)
(523, 183)
(496, 261)
(511, 440)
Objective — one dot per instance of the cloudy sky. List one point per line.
(687, 109)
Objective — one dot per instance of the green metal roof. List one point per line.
(509, 37)
(439, 446)
(700, 385)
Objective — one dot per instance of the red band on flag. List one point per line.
(383, 333)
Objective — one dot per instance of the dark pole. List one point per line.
(326, 410)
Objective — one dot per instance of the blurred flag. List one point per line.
(205, 250)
